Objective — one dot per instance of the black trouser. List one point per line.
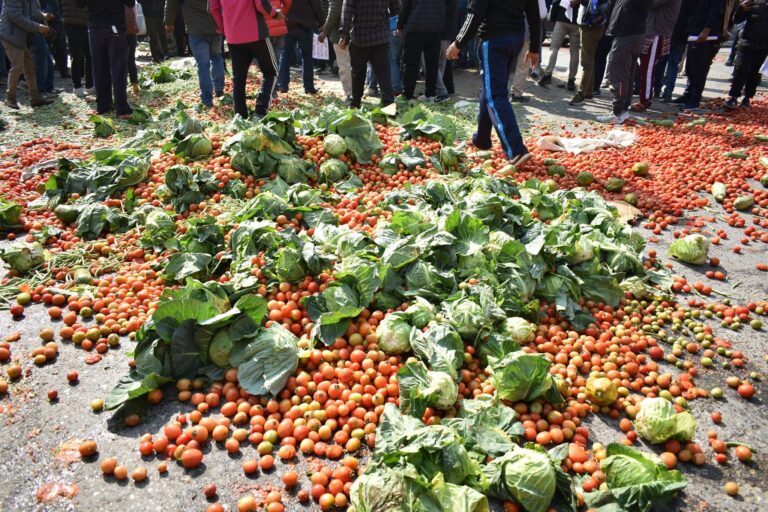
(80, 50)
(242, 56)
(133, 73)
(158, 46)
(110, 69)
(378, 55)
(746, 73)
(697, 64)
(448, 78)
(414, 45)
(180, 34)
(601, 60)
(58, 47)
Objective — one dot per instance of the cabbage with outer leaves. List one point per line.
(583, 250)
(292, 169)
(159, 227)
(691, 249)
(332, 170)
(525, 476)
(467, 317)
(194, 147)
(334, 144)
(10, 214)
(394, 333)
(524, 377)
(635, 481)
(220, 348)
(102, 126)
(440, 347)
(520, 330)
(421, 388)
(658, 421)
(23, 256)
(420, 312)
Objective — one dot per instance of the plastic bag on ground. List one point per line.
(577, 145)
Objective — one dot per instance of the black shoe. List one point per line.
(745, 103)
(578, 99)
(682, 100)
(520, 99)
(311, 91)
(545, 80)
(731, 104)
(440, 99)
(729, 63)
(219, 94)
(571, 85)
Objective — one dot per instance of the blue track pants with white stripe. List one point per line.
(498, 58)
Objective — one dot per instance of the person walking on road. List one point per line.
(751, 52)
(421, 23)
(305, 17)
(75, 20)
(565, 14)
(591, 28)
(627, 27)
(330, 30)
(20, 20)
(500, 25)
(205, 43)
(153, 17)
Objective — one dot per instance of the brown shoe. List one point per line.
(40, 102)
(639, 107)
(11, 103)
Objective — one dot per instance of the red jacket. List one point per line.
(242, 21)
(279, 28)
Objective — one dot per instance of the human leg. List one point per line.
(574, 46)
(697, 68)
(395, 62)
(265, 58)
(379, 57)
(118, 63)
(201, 52)
(440, 89)
(358, 57)
(308, 72)
(77, 51)
(621, 70)
(284, 73)
(102, 78)
(217, 63)
(156, 34)
(590, 38)
(556, 41)
(521, 71)
(133, 72)
(673, 62)
(241, 61)
(412, 50)
(755, 77)
(431, 63)
(345, 69)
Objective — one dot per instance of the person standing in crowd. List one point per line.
(277, 27)
(627, 27)
(500, 25)
(131, 31)
(153, 17)
(678, 44)
(704, 28)
(304, 17)
(75, 20)
(395, 57)
(57, 41)
(658, 40)
(522, 69)
(591, 29)
(450, 29)
(565, 14)
(365, 31)
(245, 28)
(179, 33)
(421, 24)
(205, 42)
(19, 20)
(330, 30)
(44, 66)
(751, 52)
(109, 51)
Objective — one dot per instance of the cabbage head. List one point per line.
(394, 333)
(420, 313)
(220, 347)
(334, 144)
(467, 317)
(421, 388)
(658, 421)
(525, 476)
(691, 249)
(520, 329)
(194, 147)
(583, 250)
(332, 170)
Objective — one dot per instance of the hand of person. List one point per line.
(399, 33)
(279, 15)
(321, 36)
(703, 36)
(453, 52)
(533, 58)
(343, 44)
(746, 4)
(169, 29)
(45, 30)
(49, 16)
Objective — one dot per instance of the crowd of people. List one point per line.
(384, 47)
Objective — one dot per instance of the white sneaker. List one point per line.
(79, 92)
(427, 99)
(613, 119)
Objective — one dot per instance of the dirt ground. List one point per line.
(35, 434)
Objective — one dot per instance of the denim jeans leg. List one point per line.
(284, 73)
(201, 51)
(395, 58)
(307, 69)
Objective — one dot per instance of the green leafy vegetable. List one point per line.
(691, 249)
(658, 421)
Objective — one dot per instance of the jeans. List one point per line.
(210, 65)
(158, 44)
(601, 59)
(442, 62)
(110, 69)
(80, 51)
(498, 58)
(303, 38)
(622, 64)
(378, 56)
(746, 73)
(558, 37)
(415, 44)
(676, 52)
(395, 62)
(3, 68)
(737, 28)
(43, 63)
(133, 72)
(242, 56)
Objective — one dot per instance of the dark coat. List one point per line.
(71, 14)
(422, 16)
(197, 17)
(20, 18)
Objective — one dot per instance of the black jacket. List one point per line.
(422, 16)
(152, 8)
(557, 13)
(628, 18)
(754, 35)
(492, 19)
(106, 14)
(451, 25)
(305, 14)
(706, 14)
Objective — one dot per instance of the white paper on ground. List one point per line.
(613, 139)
